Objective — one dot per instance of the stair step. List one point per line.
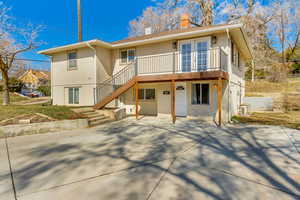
(99, 122)
(98, 117)
(83, 110)
(91, 114)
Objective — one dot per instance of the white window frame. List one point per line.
(236, 56)
(73, 102)
(127, 52)
(209, 92)
(194, 52)
(144, 91)
(76, 59)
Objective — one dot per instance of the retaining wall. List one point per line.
(44, 127)
(259, 103)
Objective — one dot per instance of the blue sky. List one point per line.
(105, 20)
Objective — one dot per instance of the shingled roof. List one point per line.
(165, 33)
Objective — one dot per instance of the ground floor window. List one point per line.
(147, 94)
(73, 95)
(200, 93)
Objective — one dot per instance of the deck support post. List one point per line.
(173, 107)
(220, 88)
(136, 100)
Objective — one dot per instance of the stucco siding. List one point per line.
(83, 77)
(84, 74)
(147, 107)
(103, 64)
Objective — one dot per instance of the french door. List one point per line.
(194, 55)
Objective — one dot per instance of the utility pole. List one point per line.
(79, 20)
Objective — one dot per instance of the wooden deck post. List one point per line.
(136, 100)
(173, 107)
(220, 88)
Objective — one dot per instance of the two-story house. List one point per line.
(189, 72)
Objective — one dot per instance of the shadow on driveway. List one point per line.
(152, 159)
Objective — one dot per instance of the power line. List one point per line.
(33, 60)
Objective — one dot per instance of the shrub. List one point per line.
(15, 85)
(296, 68)
(278, 73)
(45, 89)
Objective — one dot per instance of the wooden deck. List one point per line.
(208, 75)
(172, 78)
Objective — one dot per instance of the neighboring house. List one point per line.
(35, 78)
(193, 72)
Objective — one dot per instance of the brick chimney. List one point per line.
(185, 21)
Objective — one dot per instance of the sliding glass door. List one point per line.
(194, 55)
(201, 55)
(186, 57)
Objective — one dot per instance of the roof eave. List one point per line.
(138, 42)
(75, 46)
(176, 35)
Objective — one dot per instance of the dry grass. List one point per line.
(264, 86)
(13, 98)
(289, 119)
(56, 112)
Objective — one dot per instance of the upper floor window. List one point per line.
(72, 61)
(127, 56)
(235, 55)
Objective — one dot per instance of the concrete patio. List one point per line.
(153, 159)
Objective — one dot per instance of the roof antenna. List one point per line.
(79, 20)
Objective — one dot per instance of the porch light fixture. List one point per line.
(174, 44)
(214, 39)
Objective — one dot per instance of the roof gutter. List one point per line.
(247, 42)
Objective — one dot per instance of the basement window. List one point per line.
(200, 94)
(147, 94)
(72, 61)
(73, 95)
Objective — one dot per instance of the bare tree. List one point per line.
(166, 15)
(11, 45)
(206, 12)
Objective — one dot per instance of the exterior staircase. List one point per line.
(113, 87)
(128, 76)
(94, 117)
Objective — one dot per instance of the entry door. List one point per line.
(181, 103)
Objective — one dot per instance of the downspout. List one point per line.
(95, 67)
(227, 31)
(229, 64)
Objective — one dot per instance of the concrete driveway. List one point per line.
(153, 159)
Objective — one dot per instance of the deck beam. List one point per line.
(209, 75)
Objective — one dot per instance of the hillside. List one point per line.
(263, 88)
